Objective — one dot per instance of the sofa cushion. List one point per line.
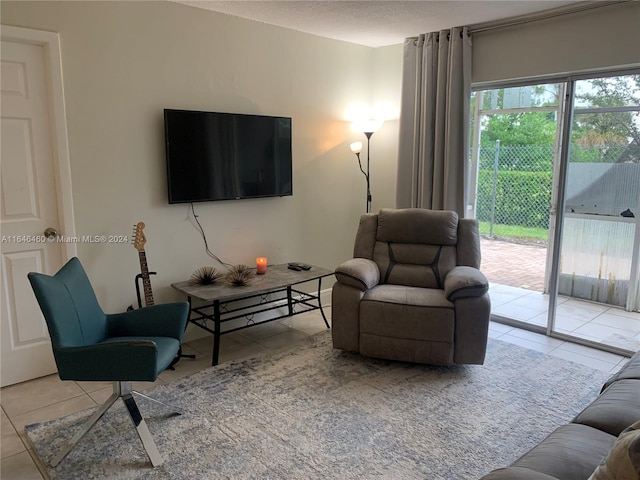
(407, 323)
(465, 282)
(623, 461)
(630, 370)
(415, 265)
(416, 225)
(468, 243)
(512, 473)
(366, 236)
(615, 409)
(406, 349)
(416, 247)
(411, 296)
(570, 452)
(394, 311)
(359, 273)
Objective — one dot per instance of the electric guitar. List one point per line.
(139, 241)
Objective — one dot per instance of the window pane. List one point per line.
(521, 97)
(606, 137)
(623, 91)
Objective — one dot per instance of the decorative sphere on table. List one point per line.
(239, 275)
(205, 276)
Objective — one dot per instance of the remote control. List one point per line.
(300, 266)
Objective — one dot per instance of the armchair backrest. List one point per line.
(417, 247)
(70, 307)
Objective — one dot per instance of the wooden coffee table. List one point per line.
(221, 303)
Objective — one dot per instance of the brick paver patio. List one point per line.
(523, 267)
(514, 264)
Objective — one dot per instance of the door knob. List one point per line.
(50, 233)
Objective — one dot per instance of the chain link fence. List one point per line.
(515, 181)
(514, 185)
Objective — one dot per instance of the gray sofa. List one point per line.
(413, 291)
(574, 451)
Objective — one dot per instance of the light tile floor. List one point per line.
(517, 274)
(48, 397)
(587, 320)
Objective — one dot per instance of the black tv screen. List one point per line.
(225, 156)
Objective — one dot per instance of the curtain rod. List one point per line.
(534, 17)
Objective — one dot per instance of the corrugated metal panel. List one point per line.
(595, 259)
(603, 188)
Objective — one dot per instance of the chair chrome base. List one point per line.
(120, 390)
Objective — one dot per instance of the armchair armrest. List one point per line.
(109, 361)
(163, 320)
(464, 282)
(360, 273)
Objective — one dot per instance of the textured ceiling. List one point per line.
(375, 23)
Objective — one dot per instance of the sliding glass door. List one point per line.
(597, 273)
(516, 133)
(557, 169)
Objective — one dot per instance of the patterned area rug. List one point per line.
(317, 413)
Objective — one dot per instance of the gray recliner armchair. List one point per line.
(413, 291)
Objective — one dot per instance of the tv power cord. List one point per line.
(204, 238)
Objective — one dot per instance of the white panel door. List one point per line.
(29, 205)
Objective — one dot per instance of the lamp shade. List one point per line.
(356, 147)
(368, 125)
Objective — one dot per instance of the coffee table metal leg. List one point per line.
(216, 335)
(289, 301)
(320, 302)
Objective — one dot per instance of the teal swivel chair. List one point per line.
(89, 345)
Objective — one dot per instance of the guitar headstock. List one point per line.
(139, 239)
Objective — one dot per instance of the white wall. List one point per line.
(592, 40)
(387, 89)
(123, 62)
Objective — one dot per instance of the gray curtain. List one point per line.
(433, 163)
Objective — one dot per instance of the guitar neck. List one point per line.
(146, 281)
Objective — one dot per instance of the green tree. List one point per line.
(607, 136)
(530, 128)
(526, 137)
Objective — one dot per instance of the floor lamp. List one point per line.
(368, 127)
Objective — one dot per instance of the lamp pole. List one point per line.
(356, 148)
(368, 134)
(369, 128)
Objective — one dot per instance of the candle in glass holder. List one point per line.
(261, 265)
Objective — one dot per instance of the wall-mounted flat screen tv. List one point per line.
(226, 156)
